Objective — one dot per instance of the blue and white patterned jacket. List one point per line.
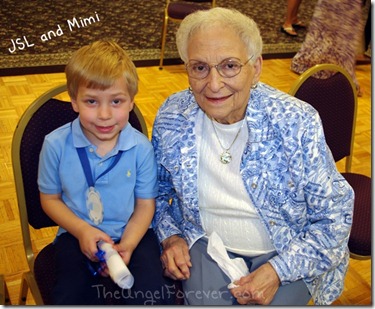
(289, 173)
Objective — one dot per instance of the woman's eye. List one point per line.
(231, 66)
(199, 67)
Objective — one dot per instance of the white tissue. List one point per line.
(118, 270)
(233, 268)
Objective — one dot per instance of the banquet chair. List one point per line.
(335, 98)
(43, 116)
(176, 11)
(4, 293)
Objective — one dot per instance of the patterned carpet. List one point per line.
(41, 35)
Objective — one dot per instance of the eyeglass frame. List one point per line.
(216, 66)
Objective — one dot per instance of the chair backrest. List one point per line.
(43, 116)
(335, 99)
(178, 10)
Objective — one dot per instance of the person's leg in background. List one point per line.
(364, 48)
(291, 19)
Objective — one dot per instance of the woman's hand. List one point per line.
(259, 287)
(176, 258)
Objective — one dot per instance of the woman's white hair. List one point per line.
(246, 28)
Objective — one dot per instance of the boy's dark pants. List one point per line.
(76, 285)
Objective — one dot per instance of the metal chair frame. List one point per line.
(4, 293)
(335, 68)
(168, 18)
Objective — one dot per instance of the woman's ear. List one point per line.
(258, 64)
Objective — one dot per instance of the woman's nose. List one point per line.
(215, 80)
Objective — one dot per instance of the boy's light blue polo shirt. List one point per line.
(134, 176)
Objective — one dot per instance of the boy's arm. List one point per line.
(136, 228)
(86, 234)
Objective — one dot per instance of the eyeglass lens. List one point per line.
(227, 68)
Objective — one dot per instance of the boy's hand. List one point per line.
(88, 238)
(124, 251)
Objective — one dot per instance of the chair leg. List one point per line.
(23, 291)
(28, 282)
(4, 293)
(163, 40)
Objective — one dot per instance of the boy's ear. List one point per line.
(74, 104)
(131, 105)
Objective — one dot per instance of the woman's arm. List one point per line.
(329, 199)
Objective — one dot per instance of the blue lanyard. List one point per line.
(87, 169)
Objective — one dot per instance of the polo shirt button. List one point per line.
(91, 149)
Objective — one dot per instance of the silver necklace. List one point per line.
(226, 156)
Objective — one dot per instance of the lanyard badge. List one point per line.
(94, 206)
(94, 203)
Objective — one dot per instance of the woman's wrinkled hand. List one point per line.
(176, 258)
(259, 287)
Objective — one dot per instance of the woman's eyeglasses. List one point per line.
(227, 68)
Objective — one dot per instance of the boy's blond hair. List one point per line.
(98, 66)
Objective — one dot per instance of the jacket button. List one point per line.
(254, 185)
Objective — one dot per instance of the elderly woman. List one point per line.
(249, 163)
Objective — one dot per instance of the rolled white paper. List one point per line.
(118, 270)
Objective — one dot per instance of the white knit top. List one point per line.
(224, 204)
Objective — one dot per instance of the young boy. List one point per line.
(97, 181)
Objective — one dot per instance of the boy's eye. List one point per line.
(91, 101)
(116, 102)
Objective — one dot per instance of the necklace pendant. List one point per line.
(225, 157)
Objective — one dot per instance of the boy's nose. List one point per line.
(104, 112)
